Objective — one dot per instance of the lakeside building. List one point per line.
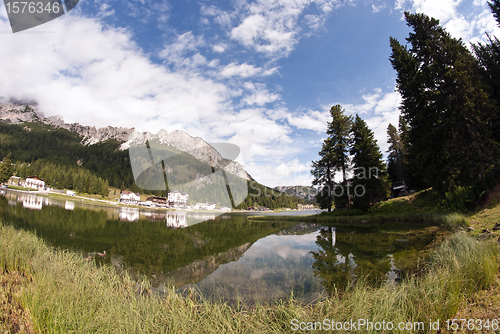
(15, 180)
(205, 206)
(305, 207)
(177, 198)
(129, 197)
(156, 200)
(34, 182)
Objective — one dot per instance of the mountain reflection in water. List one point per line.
(227, 256)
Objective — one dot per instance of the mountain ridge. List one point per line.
(16, 112)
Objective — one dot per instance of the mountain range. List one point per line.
(105, 151)
(17, 112)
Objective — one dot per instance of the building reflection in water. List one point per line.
(179, 219)
(69, 205)
(176, 219)
(32, 202)
(129, 214)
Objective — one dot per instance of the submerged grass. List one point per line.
(450, 220)
(65, 294)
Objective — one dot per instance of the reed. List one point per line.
(65, 294)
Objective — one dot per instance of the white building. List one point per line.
(70, 193)
(129, 197)
(176, 197)
(35, 183)
(205, 206)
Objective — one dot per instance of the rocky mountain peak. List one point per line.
(16, 111)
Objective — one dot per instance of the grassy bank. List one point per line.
(60, 292)
(416, 219)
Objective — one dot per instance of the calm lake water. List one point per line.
(226, 257)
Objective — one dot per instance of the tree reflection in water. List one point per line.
(336, 268)
(343, 258)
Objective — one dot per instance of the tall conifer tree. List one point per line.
(334, 157)
(370, 182)
(445, 104)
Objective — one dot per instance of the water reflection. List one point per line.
(32, 202)
(129, 214)
(228, 257)
(335, 266)
(69, 205)
(270, 269)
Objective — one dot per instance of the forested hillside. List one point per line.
(58, 156)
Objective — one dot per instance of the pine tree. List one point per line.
(488, 56)
(6, 169)
(397, 165)
(339, 134)
(446, 106)
(324, 173)
(104, 189)
(334, 156)
(370, 173)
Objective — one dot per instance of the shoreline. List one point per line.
(111, 204)
(79, 295)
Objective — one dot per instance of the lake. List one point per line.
(227, 257)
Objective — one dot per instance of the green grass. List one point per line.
(20, 188)
(65, 294)
(411, 219)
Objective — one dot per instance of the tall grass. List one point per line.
(68, 294)
(415, 218)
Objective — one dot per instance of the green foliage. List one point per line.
(64, 177)
(6, 168)
(393, 206)
(43, 145)
(446, 105)
(324, 174)
(260, 195)
(488, 56)
(67, 294)
(397, 160)
(369, 167)
(334, 156)
(63, 148)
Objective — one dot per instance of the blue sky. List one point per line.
(259, 74)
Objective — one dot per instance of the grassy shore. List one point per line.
(450, 220)
(52, 291)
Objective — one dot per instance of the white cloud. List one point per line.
(310, 120)
(98, 76)
(242, 70)
(376, 9)
(378, 110)
(219, 48)
(271, 27)
(258, 94)
(471, 26)
(177, 52)
(291, 172)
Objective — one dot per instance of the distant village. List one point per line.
(175, 199)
